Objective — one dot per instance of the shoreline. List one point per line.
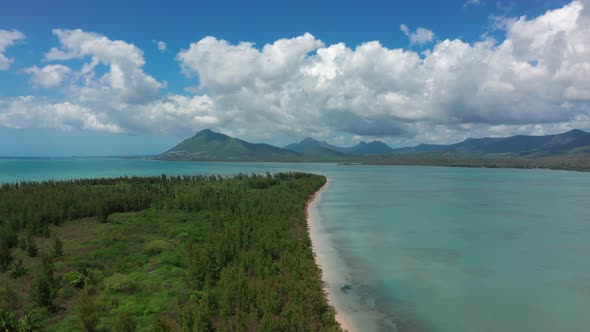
(321, 257)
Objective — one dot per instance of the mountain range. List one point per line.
(209, 145)
(310, 145)
(571, 142)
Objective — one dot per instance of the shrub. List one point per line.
(8, 234)
(78, 279)
(86, 312)
(67, 292)
(5, 256)
(57, 250)
(45, 285)
(7, 321)
(83, 278)
(29, 323)
(125, 323)
(120, 283)
(46, 231)
(157, 246)
(31, 247)
(18, 269)
(119, 236)
(9, 299)
(161, 324)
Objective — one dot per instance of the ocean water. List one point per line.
(425, 248)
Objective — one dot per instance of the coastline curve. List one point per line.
(326, 257)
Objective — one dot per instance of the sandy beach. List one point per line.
(323, 257)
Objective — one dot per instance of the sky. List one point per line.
(136, 77)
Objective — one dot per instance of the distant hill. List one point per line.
(311, 146)
(571, 142)
(209, 145)
(314, 148)
(367, 149)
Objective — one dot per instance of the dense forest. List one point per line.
(189, 253)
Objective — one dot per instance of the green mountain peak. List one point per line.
(209, 145)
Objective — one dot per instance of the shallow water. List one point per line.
(427, 248)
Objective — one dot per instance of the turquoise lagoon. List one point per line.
(425, 248)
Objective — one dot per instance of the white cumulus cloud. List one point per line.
(225, 66)
(30, 112)
(48, 76)
(419, 37)
(125, 79)
(7, 39)
(177, 113)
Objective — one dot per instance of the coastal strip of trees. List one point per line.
(254, 270)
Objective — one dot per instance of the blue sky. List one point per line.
(343, 95)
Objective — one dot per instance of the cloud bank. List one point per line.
(534, 81)
(539, 77)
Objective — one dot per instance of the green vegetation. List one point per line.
(566, 162)
(57, 249)
(567, 151)
(209, 145)
(30, 246)
(189, 253)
